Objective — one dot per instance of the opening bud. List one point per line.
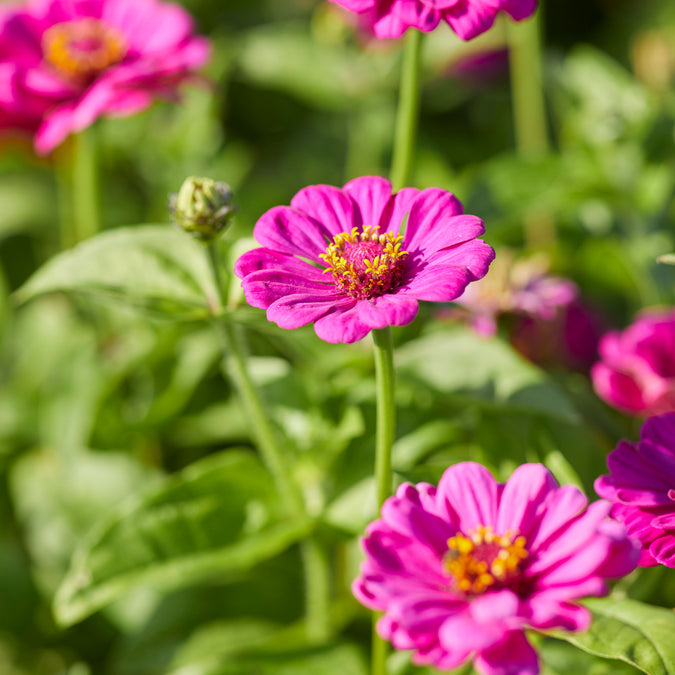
(202, 207)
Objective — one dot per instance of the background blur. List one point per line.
(99, 402)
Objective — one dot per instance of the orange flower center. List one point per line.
(365, 264)
(81, 49)
(483, 559)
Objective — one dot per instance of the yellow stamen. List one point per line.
(83, 48)
(483, 559)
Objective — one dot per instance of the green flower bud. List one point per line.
(202, 207)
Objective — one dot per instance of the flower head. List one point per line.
(64, 63)
(468, 18)
(339, 258)
(460, 571)
(636, 373)
(641, 483)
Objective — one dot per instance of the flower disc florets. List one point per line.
(365, 264)
(483, 560)
(461, 570)
(83, 48)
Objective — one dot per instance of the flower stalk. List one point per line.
(85, 186)
(315, 564)
(408, 111)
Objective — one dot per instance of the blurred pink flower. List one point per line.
(468, 18)
(64, 63)
(636, 373)
(460, 571)
(641, 483)
(335, 257)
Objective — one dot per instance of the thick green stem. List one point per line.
(384, 440)
(85, 202)
(408, 111)
(386, 412)
(316, 565)
(529, 111)
(527, 86)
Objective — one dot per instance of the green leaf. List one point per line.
(332, 660)
(155, 267)
(466, 367)
(630, 631)
(218, 516)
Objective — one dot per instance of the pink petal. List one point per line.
(558, 509)
(468, 494)
(329, 206)
(286, 230)
(387, 310)
(372, 195)
(513, 656)
(397, 210)
(523, 493)
(342, 325)
(432, 211)
(267, 286)
(293, 311)
(469, 18)
(663, 550)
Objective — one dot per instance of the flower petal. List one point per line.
(431, 211)
(387, 310)
(469, 495)
(329, 206)
(371, 195)
(512, 656)
(342, 325)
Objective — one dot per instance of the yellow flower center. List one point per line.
(365, 264)
(483, 559)
(81, 49)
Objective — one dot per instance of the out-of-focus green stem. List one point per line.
(85, 188)
(384, 440)
(527, 86)
(529, 111)
(408, 111)
(315, 563)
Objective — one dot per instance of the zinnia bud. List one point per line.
(202, 207)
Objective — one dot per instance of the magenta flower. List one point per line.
(636, 373)
(64, 63)
(641, 483)
(468, 18)
(336, 257)
(460, 571)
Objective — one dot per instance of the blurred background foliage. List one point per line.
(119, 436)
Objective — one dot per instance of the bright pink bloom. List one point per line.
(460, 571)
(468, 18)
(64, 63)
(335, 257)
(641, 483)
(636, 373)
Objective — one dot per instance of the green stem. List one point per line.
(529, 112)
(384, 440)
(85, 202)
(317, 571)
(527, 86)
(386, 412)
(408, 111)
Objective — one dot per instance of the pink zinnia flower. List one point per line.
(64, 63)
(460, 571)
(336, 257)
(636, 373)
(468, 18)
(641, 483)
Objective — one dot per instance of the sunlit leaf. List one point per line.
(630, 631)
(218, 516)
(155, 267)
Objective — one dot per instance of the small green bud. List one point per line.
(202, 207)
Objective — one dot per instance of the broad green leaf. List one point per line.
(218, 516)
(155, 267)
(458, 363)
(630, 631)
(332, 660)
